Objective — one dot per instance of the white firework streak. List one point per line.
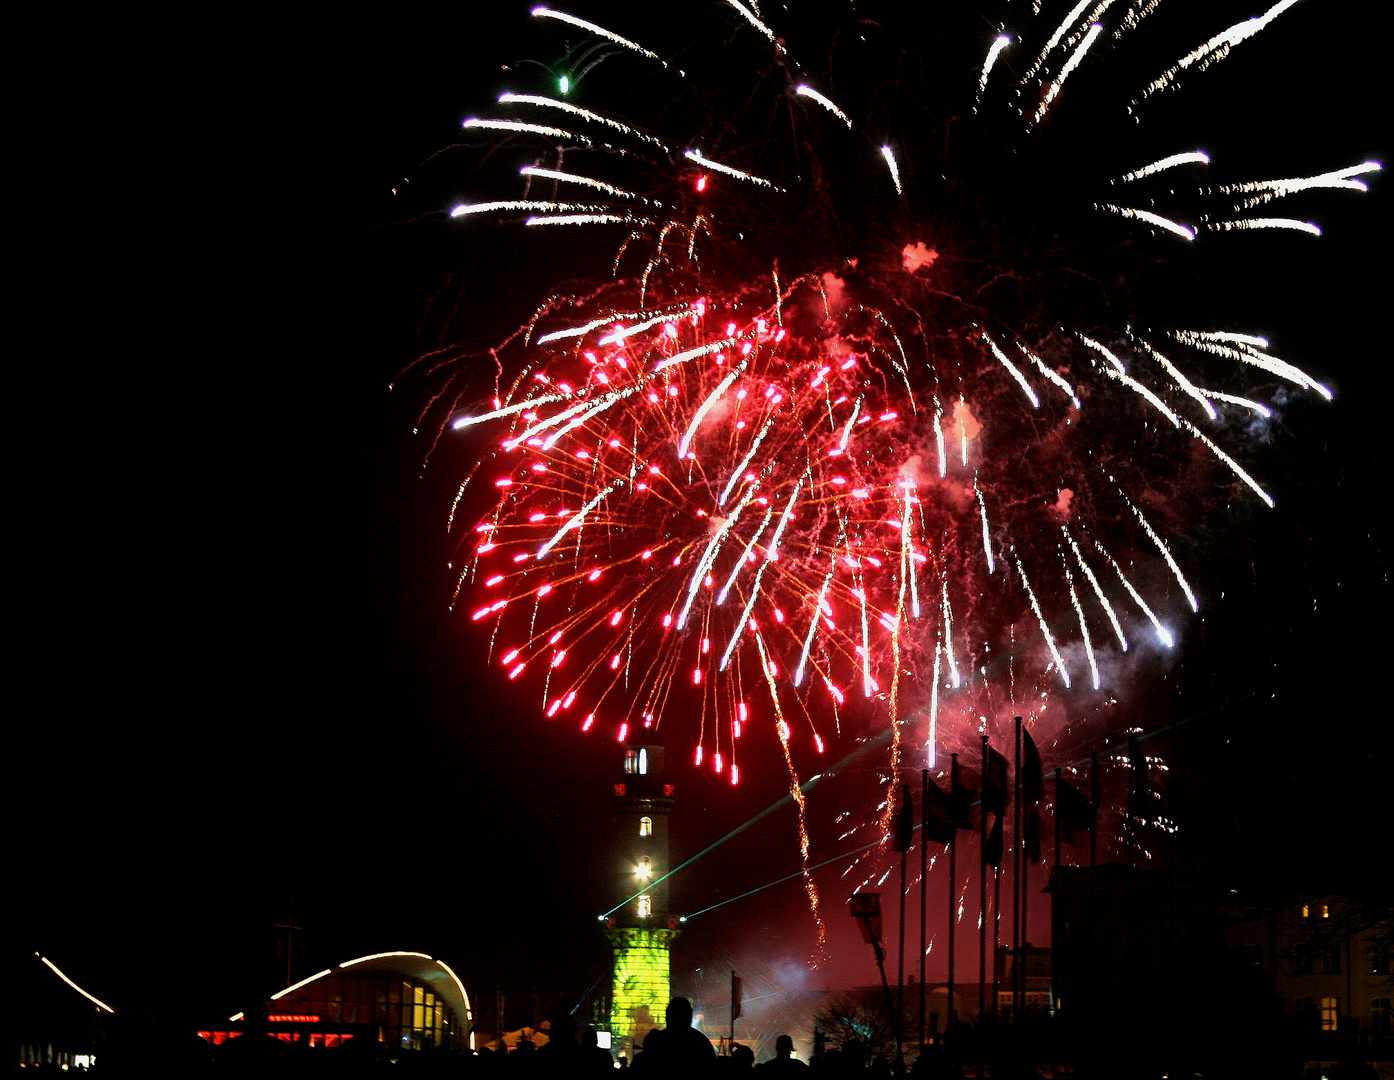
(575, 520)
(813, 625)
(693, 354)
(1098, 589)
(1216, 49)
(575, 110)
(600, 407)
(1073, 62)
(1292, 224)
(1104, 352)
(740, 469)
(705, 562)
(1133, 384)
(889, 155)
(1183, 231)
(907, 556)
(1166, 554)
(1187, 158)
(1083, 626)
(526, 129)
(1188, 387)
(1233, 399)
(1248, 353)
(567, 413)
(507, 410)
(673, 312)
(1267, 190)
(745, 555)
(987, 536)
(1163, 634)
(574, 178)
(520, 204)
(1054, 39)
(1000, 42)
(754, 21)
(771, 553)
(804, 90)
(954, 676)
(728, 170)
(1040, 618)
(561, 16)
(860, 593)
(1051, 374)
(939, 435)
(705, 408)
(934, 711)
(589, 219)
(1139, 11)
(1234, 465)
(1006, 362)
(847, 431)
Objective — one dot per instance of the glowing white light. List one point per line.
(804, 90)
(1006, 362)
(526, 129)
(305, 982)
(561, 16)
(1188, 158)
(54, 968)
(1073, 62)
(1045, 630)
(1183, 231)
(889, 155)
(1000, 42)
(728, 170)
(1217, 48)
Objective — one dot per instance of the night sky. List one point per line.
(242, 688)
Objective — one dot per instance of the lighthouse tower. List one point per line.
(640, 930)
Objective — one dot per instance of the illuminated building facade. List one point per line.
(640, 929)
(403, 1000)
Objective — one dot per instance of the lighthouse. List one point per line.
(640, 928)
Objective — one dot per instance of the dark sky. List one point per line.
(240, 682)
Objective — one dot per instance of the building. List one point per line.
(1326, 962)
(400, 1000)
(640, 927)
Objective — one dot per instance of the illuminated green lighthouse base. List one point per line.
(640, 993)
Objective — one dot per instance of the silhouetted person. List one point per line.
(784, 1063)
(679, 1050)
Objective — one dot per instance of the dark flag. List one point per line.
(905, 822)
(1031, 779)
(963, 794)
(995, 782)
(1074, 812)
(1031, 783)
(937, 825)
(735, 997)
(992, 850)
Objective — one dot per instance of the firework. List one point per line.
(722, 493)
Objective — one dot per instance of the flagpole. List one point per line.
(982, 891)
(1017, 892)
(1094, 800)
(924, 884)
(953, 885)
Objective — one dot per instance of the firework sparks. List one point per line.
(706, 474)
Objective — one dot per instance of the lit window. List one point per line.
(1329, 1011)
(1306, 909)
(645, 906)
(1322, 909)
(643, 761)
(645, 870)
(636, 761)
(646, 826)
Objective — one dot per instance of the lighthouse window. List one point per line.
(645, 870)
(645, 906)
(646, 826)
(636, 761)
